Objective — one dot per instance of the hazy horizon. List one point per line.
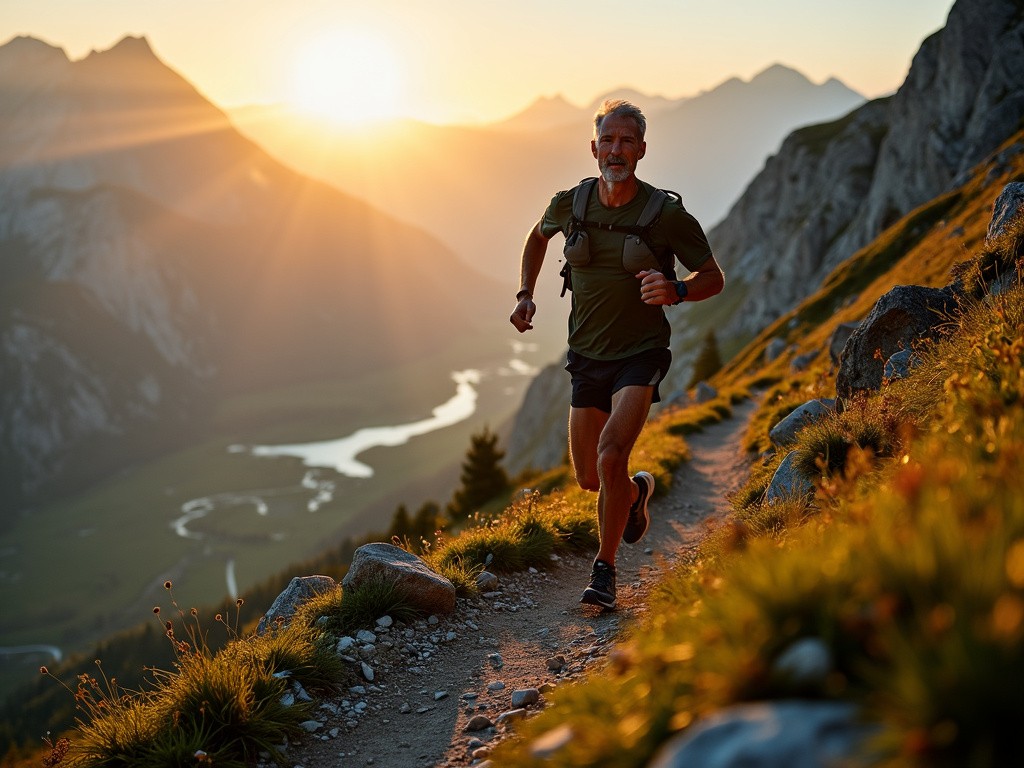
(463, 62)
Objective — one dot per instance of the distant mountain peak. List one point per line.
(544, 113)
(557, 98)
(649, 103)
(778, 73)
(129, 45)
(26, 48)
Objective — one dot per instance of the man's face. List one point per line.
(618, 148)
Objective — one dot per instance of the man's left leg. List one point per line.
(630, 406)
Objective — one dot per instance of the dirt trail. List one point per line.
(434, 678)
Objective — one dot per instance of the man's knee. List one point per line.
(588, 481)
(612, 460)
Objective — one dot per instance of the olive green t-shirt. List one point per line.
(608, 320)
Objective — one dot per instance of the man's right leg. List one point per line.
(585, 427)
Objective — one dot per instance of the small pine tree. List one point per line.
(401, 524)
(426, 521)
(708, 361)
(482, 477)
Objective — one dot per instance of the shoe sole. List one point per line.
(649, 482)
(592, 597)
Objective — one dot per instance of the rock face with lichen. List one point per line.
(833, 188)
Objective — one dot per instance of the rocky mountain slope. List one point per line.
(832, 188)
(155, 260)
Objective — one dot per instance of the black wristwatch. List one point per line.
(681, 291)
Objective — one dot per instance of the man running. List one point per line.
(621, 276)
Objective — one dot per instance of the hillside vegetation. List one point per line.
(907, 562)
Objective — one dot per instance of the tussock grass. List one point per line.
(527, 534)
(867, 424)
(222, 708)
(338, 613)
(908, 564)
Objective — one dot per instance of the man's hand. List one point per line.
(656, 289)
(522, 315)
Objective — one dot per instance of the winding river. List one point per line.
(340, 455)
(324, 458)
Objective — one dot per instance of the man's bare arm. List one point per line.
(534, 249)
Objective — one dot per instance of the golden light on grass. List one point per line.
(1015, 564)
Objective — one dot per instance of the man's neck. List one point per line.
(614, 194)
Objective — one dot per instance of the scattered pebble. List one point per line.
(391, 656)
(525, 697)
(479, 723)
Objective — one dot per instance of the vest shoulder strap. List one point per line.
(652, 210)
(650, 213)
(581, 197)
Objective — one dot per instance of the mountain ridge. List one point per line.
(479, 189)
(146, 154)
(547, 112)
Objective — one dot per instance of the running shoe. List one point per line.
(602, 586)
(639, 518)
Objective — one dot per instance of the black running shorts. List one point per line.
(595, 381)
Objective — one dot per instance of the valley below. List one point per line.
(221, 516)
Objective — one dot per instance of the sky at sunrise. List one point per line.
(478, 60)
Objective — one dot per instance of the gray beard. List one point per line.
(615, 173)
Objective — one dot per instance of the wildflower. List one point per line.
(194, 612)
(239, 602)
(167, 584)
(156, 609)
(57, 752)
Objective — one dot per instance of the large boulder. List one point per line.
(419, 586)
(774, 349)
(299, 590)
(800, 363)
(785, 431)
(704, 392)
(900, 365)
(780, 734)
(899, 320)
(838, 339)
(788, 482)
(1007, 206)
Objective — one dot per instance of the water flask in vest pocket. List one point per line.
(577, 248)
(637, 256)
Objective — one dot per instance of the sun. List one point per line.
(347, 77)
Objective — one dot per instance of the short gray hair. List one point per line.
(621, 108)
